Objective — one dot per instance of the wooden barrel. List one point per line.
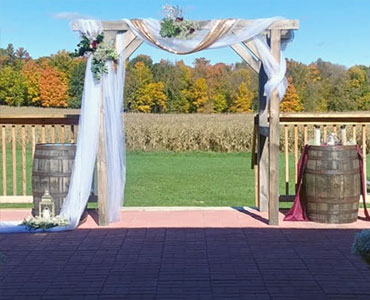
(52, 168)
(331, 184)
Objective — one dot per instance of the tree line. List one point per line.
(57, 81)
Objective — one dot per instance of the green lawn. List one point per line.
(181, 179)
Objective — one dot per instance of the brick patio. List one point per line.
(184, 254)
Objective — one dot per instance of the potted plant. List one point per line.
(361, 245)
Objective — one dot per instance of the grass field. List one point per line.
(170, 160)
(179, 179)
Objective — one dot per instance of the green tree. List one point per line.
(12, 87)
(63, 61)
(76, 84)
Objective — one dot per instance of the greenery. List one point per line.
(361, 245)
(173, 24)
(35, 223)
(177, 28)
(104, 52)
(180, 179)
(86, 45)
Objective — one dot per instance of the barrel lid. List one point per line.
(56, 145)
(332, 148)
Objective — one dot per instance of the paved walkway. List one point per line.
(184, 254)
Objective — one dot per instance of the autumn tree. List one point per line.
(218, 86)
(137, 77)
(12, 88)
(199, 95)
(291, 101)
(63, 61)
(242, 100)
(76, 84)
(53, 88)
(150, 98)
(32, 73)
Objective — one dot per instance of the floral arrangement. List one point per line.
(102, 52)
(361, 245)
(87, 46)
(173, 25)
(34, 223)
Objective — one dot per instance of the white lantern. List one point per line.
(47, 206)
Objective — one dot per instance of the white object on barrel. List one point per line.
(344, 135)
(317, 136)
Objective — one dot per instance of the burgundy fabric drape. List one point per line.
(298, 211)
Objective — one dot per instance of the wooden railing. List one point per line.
(297, 129)
(24, 133)
(19, 135)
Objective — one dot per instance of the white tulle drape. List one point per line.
(110, 89)
(87, 141)
(275, 70)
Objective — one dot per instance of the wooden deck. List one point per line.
(185, 254)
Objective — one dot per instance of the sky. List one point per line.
(333, 30)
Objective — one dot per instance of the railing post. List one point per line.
(364, 154)
(3, 136)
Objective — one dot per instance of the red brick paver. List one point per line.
(201, 254)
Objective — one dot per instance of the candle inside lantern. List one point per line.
(46, 213)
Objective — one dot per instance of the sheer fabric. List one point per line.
(214, 34)
(87, 140)
(217, 34)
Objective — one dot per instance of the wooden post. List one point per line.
(295, 156)
(274, 107)
(33, 130)
(262, 149)
(286, 160)
(101, 166)
(364, 154)
(14, 155)
(4, 159)
(24, 177)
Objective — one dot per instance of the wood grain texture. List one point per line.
(24, 177)
(364, 152)
(14, 160)
(274, 138)
(331, 184)
(246, 56)
(101, 166)
(120, 25)
(52, 168)
(3, 144)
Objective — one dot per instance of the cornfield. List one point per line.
(169, 132)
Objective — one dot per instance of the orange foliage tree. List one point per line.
(291, 101)
(53, 88)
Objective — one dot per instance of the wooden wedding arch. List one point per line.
(268, 115)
